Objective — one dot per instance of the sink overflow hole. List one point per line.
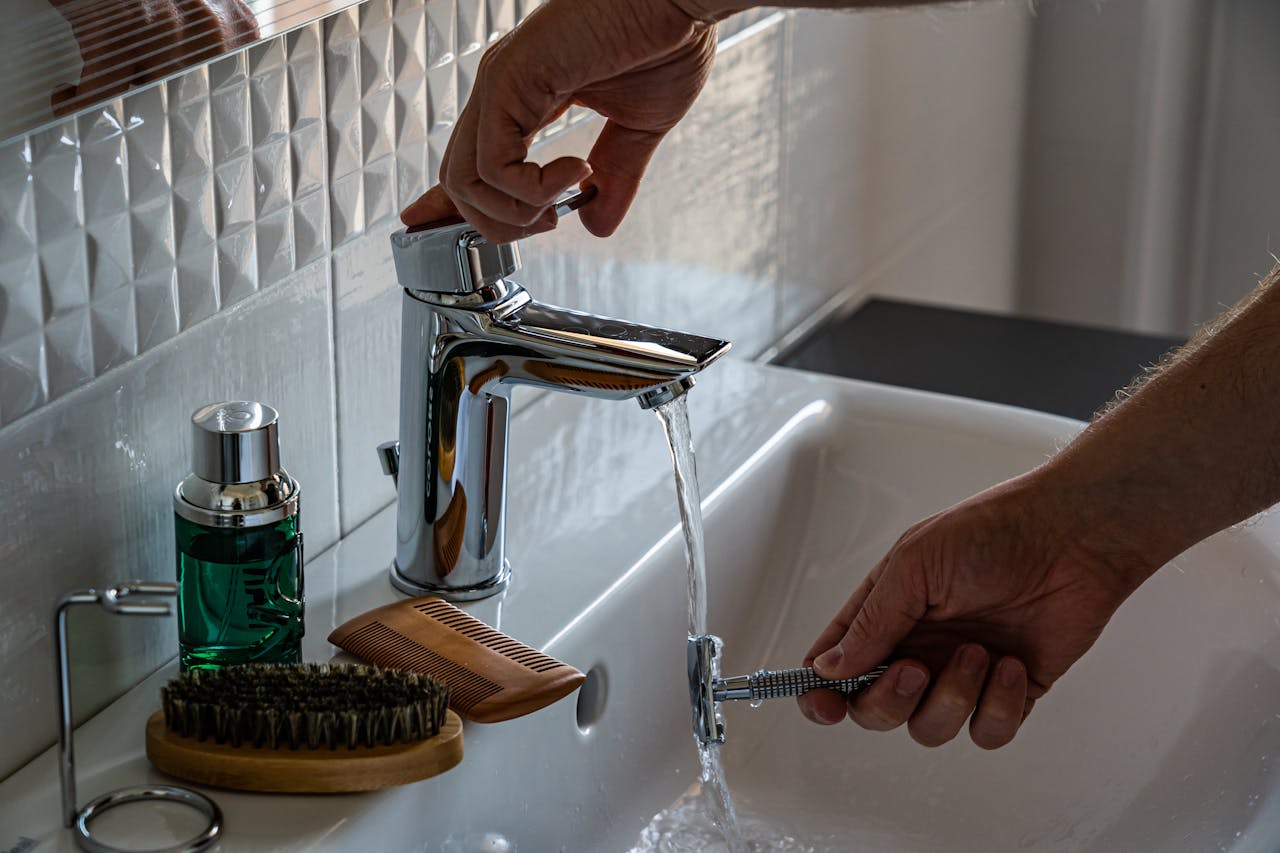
(592, 696)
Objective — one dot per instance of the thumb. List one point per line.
(432, 206)
(888, 612)
(618, 161)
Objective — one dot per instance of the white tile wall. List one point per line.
(225, 235)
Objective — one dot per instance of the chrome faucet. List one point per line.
(469, 334)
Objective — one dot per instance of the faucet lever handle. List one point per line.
(569, 203)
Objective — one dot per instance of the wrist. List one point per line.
(1107, 519)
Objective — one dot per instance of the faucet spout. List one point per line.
(470, 335)
(600, 357)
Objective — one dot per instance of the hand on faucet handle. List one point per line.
(639, 63)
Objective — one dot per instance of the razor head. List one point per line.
(704, 668)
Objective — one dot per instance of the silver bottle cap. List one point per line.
(235, 442)
(236, 479)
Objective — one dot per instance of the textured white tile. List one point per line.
(190, 132)
(151, 233)
(342, 94)
(310, 228)
(86, 486)
(274, 246)
(380, 190)
(268, 92)
(229, 107)
(346, 207)
(102, 157)
(272, 175)
(442, 32)
(501, 18)
(237, 265)
(367, 331)
(305, 62)
(409, 59)
(307, 141)
(69, 350)
(23, 381)
(64, 270)
(20, 289)
(193, 224)
(109, 242)
(234, 185)
(473, 31)
(147, 144)
(17, 201)
(156, 303)
(442, 98)
(115, 329)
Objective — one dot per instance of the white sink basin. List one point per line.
(1162, 738)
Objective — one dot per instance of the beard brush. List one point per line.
(304, 728)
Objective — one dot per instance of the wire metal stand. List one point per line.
(134, 598)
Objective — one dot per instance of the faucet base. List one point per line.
(491, 587)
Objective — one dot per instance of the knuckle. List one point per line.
(875, 717)
(952, 702)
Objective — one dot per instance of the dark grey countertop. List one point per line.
(1053, 367)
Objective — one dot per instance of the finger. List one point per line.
(501, 216)
(893, 606)
(618, 161)
(824, 707)
(500, 232)
(501, 162)
(498, 206)
(1002, 707)
(952, 698)
(432, 206)
(892, 699)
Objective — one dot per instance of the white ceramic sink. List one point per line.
(1162, 738)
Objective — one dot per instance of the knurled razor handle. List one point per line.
(777, 683)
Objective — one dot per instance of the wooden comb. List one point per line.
(491, 676)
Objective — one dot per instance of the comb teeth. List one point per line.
(491, 676)
(473, 629)
(377, 641)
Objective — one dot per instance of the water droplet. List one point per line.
(756, 703)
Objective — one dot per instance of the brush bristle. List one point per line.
(305, 705)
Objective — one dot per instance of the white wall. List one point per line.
(225, 235)
(1150, 173)
(905, 136)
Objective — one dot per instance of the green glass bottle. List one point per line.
(239, 546)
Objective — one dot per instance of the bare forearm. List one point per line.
(1194, 448)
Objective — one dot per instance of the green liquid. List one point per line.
(240, 594)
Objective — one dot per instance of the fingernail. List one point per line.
(973, 659)
(830, 659)
(1009, 672)
(910, 680)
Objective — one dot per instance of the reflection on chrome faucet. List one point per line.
(469, 335)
